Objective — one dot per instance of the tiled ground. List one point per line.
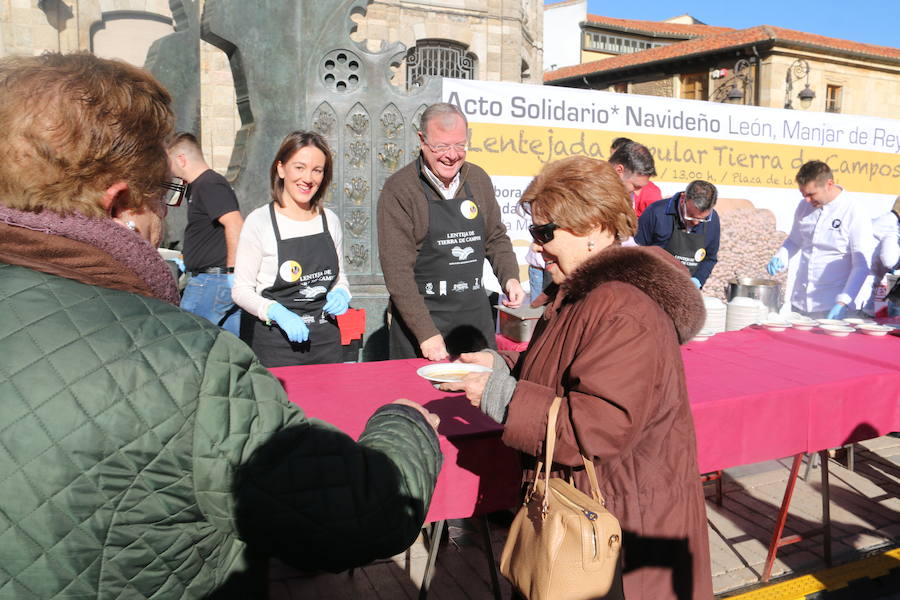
(865, 514)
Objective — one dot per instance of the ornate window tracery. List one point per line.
(438, 58)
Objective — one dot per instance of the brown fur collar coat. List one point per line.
(650, 269)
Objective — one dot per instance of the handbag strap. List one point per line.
(550, 445)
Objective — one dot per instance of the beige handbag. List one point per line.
(563, 544)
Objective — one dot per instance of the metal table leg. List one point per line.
(434, 538)
(716, 476)
(812, 461)
(778, 541)
(826, 506)
(489, 552)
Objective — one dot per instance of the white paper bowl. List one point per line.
(854, 321)
(837, 330)
(836, 322)
(449, 372)
(775, 325)
(803, 324)
(873, 329)
(703, 335)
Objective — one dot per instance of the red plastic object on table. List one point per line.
(352, 325)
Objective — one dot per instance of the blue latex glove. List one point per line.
(775, 266)
(837, 311)
(291, 323)
(337, 301)
(178, 263)
(696, 282)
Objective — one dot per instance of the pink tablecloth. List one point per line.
(755, 395)
(479, 475)
(758, 395)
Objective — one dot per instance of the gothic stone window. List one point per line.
(438, 58)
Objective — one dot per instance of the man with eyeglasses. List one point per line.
(214, 224)
(687, 227)
(438, 219)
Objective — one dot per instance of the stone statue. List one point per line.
(295, 67)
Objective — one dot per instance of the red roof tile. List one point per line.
(656, 27)
(723, 41)
(789, 35)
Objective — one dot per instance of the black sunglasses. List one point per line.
(175, 191)
(542, 234)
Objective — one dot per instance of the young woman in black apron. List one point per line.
(448, 272)
(301, 328)
(307, 270)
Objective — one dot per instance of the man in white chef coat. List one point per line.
(834, 238)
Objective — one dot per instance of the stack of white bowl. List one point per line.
(715, 315)
(744, 311)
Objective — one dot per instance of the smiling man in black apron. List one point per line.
(438, 219)
(687, 226)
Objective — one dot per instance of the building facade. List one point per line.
(760, 66)
(126, 30)
(497, 40)
(489, 40)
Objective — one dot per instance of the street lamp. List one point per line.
(734, 94)
(737, 85)
(799, 69)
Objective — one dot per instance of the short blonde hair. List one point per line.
(73, 125)
(581, 194)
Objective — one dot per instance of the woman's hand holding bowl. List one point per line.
(472, 384)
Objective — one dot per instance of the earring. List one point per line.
(590, 245)
(131, 225)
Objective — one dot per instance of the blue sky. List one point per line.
(869, 21)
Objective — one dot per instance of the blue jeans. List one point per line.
(209, 296)
(536, 281)
(893, 309)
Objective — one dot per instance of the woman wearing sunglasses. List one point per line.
(608, 346)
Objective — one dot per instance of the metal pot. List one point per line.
(518, 323)
(767, 291)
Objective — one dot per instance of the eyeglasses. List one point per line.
(686, 217)
(462, 147)
(176, 189)
(542, 234)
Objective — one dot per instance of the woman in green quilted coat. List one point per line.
(145, 453)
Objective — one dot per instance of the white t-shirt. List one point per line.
(256, 261)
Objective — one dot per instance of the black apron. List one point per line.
(448, 273)
(689, 248)
(307, 269)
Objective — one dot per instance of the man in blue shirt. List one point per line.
(687, 226)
